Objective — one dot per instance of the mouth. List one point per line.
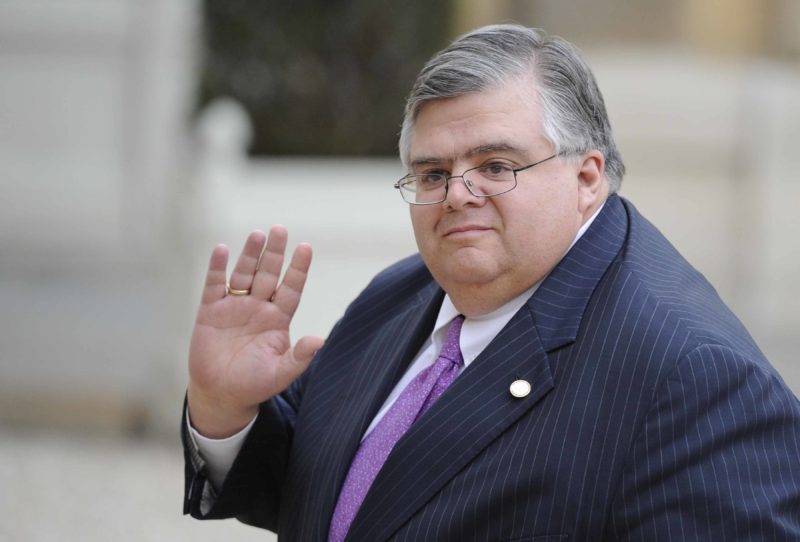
(465, 230)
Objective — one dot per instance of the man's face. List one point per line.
(485, 251)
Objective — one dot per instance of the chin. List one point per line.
(465, 265)
(467, 274)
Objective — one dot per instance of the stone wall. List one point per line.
(95, 97)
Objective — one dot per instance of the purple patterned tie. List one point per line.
(412, 403)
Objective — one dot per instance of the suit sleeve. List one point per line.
(717, 457)
(251, 490)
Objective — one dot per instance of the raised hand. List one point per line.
(241, 353)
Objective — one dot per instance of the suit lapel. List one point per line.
(387, 358)
(478, 407)
(560, 302)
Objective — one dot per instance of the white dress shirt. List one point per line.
(476, 334)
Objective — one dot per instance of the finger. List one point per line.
(269, 267)
(215, 277)
(287, 296)
(242, 275)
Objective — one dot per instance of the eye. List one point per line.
(496, 170)
(430, 179)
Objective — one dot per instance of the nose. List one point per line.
(459, 193)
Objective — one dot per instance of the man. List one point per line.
(547, 368)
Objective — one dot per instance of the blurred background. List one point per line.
(137, 134)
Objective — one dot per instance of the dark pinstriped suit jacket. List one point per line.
(653, 415)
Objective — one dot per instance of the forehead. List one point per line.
(507, 117)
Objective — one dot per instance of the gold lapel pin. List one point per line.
(520, 388)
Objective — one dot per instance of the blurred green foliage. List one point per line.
(320, 76)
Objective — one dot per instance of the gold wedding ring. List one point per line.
(234, 291)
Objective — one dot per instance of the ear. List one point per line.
(592, 183)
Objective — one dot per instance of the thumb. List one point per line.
(295, 361)
(305, 349)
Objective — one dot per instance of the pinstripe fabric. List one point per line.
(653, 415)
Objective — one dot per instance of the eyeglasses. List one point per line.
(484, 181)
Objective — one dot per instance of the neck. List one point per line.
(472, 300)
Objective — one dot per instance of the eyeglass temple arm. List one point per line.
(536, 163)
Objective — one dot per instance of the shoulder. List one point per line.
(400, 281)
(410, 270)
(675, 297)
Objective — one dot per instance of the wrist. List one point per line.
(213, 418)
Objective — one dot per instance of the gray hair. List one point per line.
(574, 115)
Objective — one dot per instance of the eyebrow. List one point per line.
(492, 147)
(475, 151)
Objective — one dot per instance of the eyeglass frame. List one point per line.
(447, 178)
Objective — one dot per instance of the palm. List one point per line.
(238, 343)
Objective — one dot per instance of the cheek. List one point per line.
(541, 229)
(422, 223)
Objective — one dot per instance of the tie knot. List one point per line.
(451, 349)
